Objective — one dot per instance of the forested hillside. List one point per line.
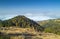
(51, 26)
(1, 23)
(22, 22)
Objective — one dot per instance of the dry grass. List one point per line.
(17, 30)
(30, 31)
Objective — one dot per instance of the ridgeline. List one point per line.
(22, 22)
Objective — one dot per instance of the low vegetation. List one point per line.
(51, 26)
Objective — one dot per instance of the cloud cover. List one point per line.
(35, 17)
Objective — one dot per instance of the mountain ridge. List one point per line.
(21, 21)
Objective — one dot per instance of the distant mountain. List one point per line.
(51, 26)
(23, 22)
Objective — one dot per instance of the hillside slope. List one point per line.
(22, 22)
(51, 26)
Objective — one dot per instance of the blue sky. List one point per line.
(33, 9)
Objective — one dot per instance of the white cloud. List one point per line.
(27, 14)
(39, 18)
(7, 17)
(35, 17)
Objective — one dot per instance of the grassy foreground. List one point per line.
(25, 33)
